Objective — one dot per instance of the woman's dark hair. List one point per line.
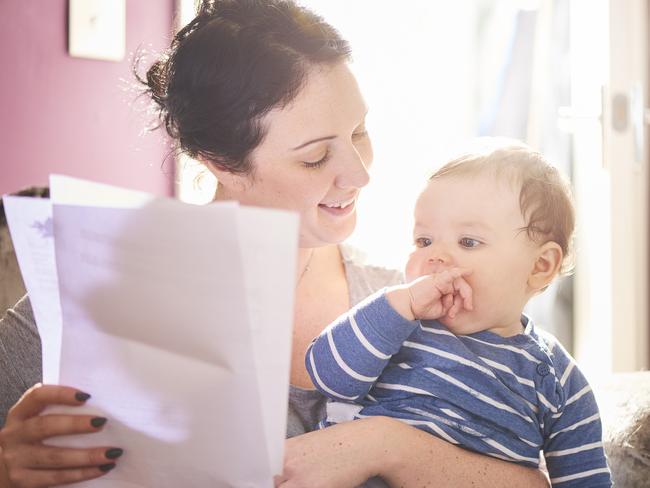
(233, 63)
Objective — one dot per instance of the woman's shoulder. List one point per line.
(20, 354)
(19, 322)
(364, 276)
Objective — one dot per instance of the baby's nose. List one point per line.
(436, 265)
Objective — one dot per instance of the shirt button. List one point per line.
(543, 369)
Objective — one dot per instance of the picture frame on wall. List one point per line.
(97, 29)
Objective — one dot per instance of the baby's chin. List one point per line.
(461, 324)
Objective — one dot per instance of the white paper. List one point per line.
(269, 240)
(158, 293)
(32, 234)
(65, 190)
(180, 317)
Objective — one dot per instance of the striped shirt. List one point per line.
(507, 397)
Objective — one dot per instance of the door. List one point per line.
(608, 118)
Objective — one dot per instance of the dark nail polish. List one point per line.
(106, 467)
(81, 396)
(98, 421)
(114, 453)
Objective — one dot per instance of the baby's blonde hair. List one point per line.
(545, 198)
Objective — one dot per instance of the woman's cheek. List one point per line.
(367, 154)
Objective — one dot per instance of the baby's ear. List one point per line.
(546, 266)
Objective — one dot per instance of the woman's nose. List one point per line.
(354, 173)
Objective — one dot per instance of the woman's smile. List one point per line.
(339, 209)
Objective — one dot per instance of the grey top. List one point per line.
(20, 347)
(307, 407)
(20, 355)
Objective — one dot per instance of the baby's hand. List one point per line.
(439, 294)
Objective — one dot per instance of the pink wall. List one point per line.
(73, 116)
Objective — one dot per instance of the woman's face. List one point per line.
(314, 159)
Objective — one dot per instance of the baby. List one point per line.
(451, 352)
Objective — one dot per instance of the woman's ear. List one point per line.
(225, 177)
(546, 266)
(218, 170)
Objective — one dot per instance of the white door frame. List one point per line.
(626, 156)
(610, 86)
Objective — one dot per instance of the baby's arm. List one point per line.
(346, 359)
(573, 447)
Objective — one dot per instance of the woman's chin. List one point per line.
(330, 234)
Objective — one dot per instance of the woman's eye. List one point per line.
(422, 242)
(360, 134)
(469, 243)
(319, 163)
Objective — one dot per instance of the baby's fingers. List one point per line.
(460, 272)
(465, 292)
(447, 302)
(444, 282)
(455, 307)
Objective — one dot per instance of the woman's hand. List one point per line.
(340, 456)
(25, 462)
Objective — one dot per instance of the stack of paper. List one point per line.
(176, 318)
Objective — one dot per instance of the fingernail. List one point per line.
(106, 467)
(81, 396)
(114, 453)
(98, 421)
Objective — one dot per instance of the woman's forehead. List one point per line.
(328, 100)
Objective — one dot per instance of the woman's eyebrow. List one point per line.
(326, 138)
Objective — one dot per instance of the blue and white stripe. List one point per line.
(508, 398)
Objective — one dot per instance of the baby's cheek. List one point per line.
(411, 270)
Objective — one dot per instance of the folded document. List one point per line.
(176, 318)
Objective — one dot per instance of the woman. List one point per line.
(261, 92)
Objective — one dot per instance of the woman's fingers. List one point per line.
(46, 457)
(30, 464)
(26, 478)
(39, 396)
(41, 427)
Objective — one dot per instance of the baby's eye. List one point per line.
(469, 243)
(422, 242)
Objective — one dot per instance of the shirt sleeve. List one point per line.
(573, 448)
(346, 359)
(20, 355)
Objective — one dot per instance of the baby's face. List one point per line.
(474, 222)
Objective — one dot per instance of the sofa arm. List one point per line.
(624, 400)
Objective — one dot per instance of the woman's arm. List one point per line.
(345, 455)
